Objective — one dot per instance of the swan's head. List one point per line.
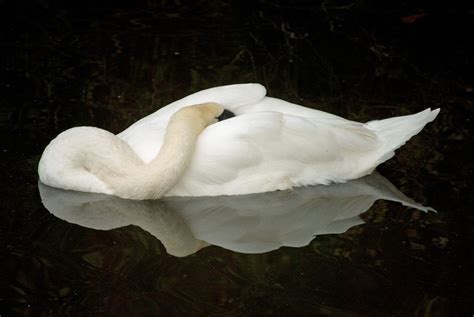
(209, 109)
(196, 117)
(208, 112)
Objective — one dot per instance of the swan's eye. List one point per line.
(226, 115)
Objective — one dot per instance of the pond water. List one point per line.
(365, 248)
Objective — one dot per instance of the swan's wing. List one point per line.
(349, 134)
(145, 136)
(261, 151)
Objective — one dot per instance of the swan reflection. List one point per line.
(254, 223)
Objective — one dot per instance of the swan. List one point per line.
(181, 149)
(255, 223)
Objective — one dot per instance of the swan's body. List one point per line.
(271, 144)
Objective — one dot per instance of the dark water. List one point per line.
(108, 65)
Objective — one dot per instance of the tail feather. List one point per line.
(395, 132)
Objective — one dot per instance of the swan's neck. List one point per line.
(94, 160)
(153, 180)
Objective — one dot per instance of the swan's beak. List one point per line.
(226, 115)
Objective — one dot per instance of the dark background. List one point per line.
(108, 63)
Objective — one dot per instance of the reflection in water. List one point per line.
(255, 223)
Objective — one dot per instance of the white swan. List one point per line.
(270, 144)
(248, 224)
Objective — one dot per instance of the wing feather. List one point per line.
(243, 151)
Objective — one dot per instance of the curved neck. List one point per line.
(153, 180)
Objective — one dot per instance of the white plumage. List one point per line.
(270, 144)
